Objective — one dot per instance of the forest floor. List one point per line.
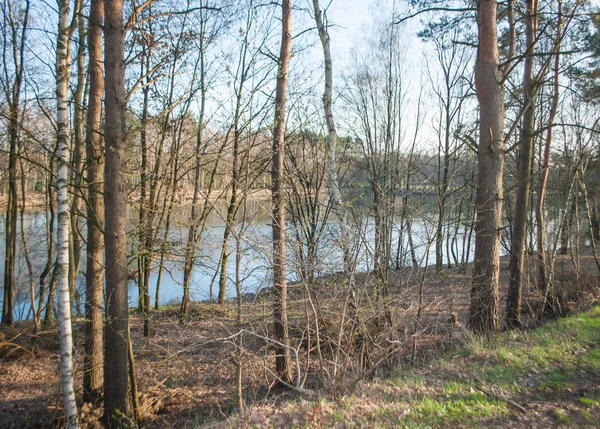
(547, 376)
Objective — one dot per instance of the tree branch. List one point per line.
(434, 9)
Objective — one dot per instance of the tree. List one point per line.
(334, 186)
(13, 48)
(451, 93)
(76, 176)
(247, 70)
(116, 405)
(282, 360)
(377, 99)
(94, 284)
(306, 180)
(63, 66)
(540, 218)
(513, 300)
(208, 29)
(483, 312)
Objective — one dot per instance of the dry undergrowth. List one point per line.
(186, 374)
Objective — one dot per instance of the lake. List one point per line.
(255, 262)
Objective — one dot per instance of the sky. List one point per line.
(352, 20)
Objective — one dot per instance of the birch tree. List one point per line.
(334, 187)
(63, 64)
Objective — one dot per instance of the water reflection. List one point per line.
(255, 262)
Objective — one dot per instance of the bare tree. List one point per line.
(378, 98)
(94, 286)
(76, 176)
(451, 92)
(13, 49)
(207, 32)
(540, 219)
(513, 300)
(248, 70)
(280, 316)
(334, 186)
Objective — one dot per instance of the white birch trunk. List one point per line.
(63, 64)
(334, 187)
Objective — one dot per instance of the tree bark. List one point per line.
(13, 95)
(232, 206)
(334, 187)
(542, 280)
(94, 285)
(483, 316)
(116, 405)
(34, 312)
(77, 163)
(63, 65)
(196, 216)
(513, 300)
(280, 316)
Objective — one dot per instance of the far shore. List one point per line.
(36, 201)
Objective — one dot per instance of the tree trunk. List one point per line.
(50, 216)
(483, 315)
(63, 65)
(94, 284)
(542, 279)
(513, 299)
(195, 214)
(232, 206)
(76, 165)
(443, 183)
(34, 312)
(334, 186)
(280, 322)
(14, 97)
(145, 218)
(116, 405)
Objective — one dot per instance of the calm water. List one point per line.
(255, 267)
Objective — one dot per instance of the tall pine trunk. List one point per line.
(483, 317)
(116, 405)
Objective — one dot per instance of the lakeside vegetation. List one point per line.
(351, 200)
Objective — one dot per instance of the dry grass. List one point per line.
(187, 373)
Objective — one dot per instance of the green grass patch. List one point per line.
(590, 402)
(554, 368)
(456, 409)
(549, 358)
(543, 364)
